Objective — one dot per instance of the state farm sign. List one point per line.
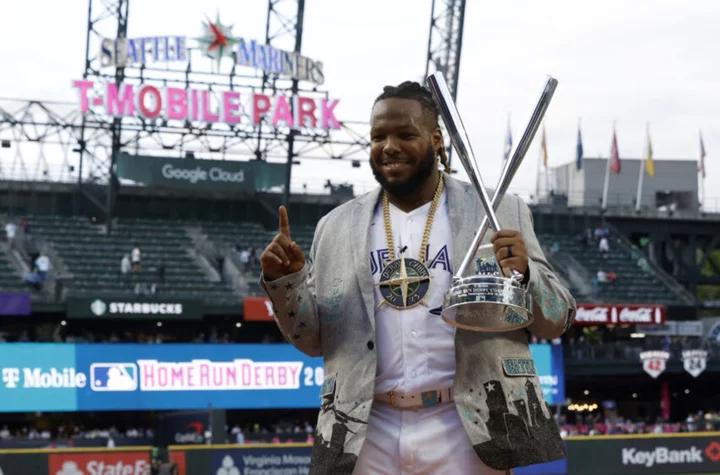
(100, 463)
(612, 314)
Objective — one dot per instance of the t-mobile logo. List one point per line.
(11, 376)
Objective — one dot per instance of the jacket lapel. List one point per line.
(465, 216)
(362, 214)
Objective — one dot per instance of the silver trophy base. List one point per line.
(487, 303)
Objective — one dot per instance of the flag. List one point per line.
(544, 149)
(649, 164)
(579, 150)
(615, 165)
(701, 165)
(508, 140)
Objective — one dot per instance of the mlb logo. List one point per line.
(113, 377)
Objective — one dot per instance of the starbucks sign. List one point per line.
(104, 307)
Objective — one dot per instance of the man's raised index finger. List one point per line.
(284, 222)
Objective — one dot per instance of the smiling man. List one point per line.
(405, 392)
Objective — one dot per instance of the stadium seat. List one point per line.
(93, 258)
(633, 284)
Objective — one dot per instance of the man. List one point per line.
(404, 391)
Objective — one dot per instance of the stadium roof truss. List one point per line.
(55, 142)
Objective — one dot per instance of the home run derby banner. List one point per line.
(87, 377)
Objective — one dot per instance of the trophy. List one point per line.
(487, 301)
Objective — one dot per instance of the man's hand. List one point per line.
(282, 256)
(510, 251)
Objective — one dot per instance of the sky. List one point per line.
(632, 63)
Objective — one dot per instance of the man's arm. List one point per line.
(554, 306)
(295, 306)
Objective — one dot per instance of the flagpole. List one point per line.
(605, 187)
(702, 171)
(537, 176)
(607, 177)
(642, 170)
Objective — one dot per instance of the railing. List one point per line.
(674, 285)
(574, 271)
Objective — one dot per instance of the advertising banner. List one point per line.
(247, 460)
(257, 309)
(639, 456)
(39, 377)
(186, 427)
(90, 377)
(618, 314)
(201, 175)
(137, 309)
(24, 464)
(87, 377)
(672, 328)
(14, 303)
(99, 463)
(550, 367)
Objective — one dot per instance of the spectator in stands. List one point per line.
(611, 276)
(42, 265)
(253, 258)
(220, 259)
(39, 272)
(555, 248)
(582, 242)
(125, 265)
(602, 276)
(245, 259)
(136, 258)
(25, 225)
(11, 231)
(161, 270)
(604, 247)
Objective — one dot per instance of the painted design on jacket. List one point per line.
(519, 440)
(331, 308)
(328, 456)
(552, 306)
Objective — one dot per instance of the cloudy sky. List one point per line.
(628, 62)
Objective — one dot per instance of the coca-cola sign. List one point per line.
(615, 314)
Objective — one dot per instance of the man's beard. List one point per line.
(414, 182)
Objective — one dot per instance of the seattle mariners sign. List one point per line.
(216, 42)
(133, 309)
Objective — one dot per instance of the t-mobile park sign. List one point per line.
(616, 314)
(228, 107)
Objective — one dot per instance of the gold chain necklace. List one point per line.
(402, 289)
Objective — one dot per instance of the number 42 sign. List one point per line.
(654, 362)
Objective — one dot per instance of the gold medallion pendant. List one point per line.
(405, 282)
